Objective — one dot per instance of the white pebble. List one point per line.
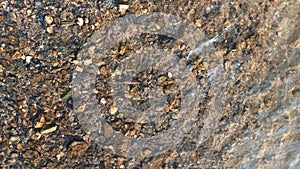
(28, 59)
(80, 21)
(170, 75)
(103, 101)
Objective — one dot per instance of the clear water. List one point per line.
(253, 117)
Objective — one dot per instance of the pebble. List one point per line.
(170, 75)
(91, 49)
(38, 125)
(113, 110)
(86, 20)
(48, 19)
(123, 8)
(58, 156)
(79, 69)
(20, 146)
(41, 123)
(14, 139)
(147, 152)
(80, 21)
(88, 62)
(103, 70)
(75, 62)
(81, 108)
(28, 58)
(29, 12)
(78, 148)
(103, 101)
(123, 50)
(50, 29)
(198, 23)
(71, 119)
(50, 130)
(47, 109)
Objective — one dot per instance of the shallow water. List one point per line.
(251, 102)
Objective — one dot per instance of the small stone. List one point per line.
(43, 120)
(120, 116)
(22, 103)
(91, 49)
(243, 45)
(88, 62)
(20, 146)
(81, 108)
(78, 148)
(205, 65)
(86, 138)
(58, 156)
(55, 64)
(144, 10)
(113, 110)
(132, 133)
(50, 130)
(123, 8)
(36, 136)
(29, 12)
(147, 152)
(75, 62)
(71, 119)
(14, 155)
(103, 70)
(86, 20)
(27, 59)
(79, 69)
(38, 125)
(109, 101)
(50, 29)
(14, 139)
(103, 101)
(38, 4)
(170, 75)
(123, 50)
(47, 109)
(198, 23)
(147, 89)
(80, 21)
(23, 110)
(48, 19)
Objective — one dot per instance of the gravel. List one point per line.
(39, 46)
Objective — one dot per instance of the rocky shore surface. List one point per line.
(254, 96)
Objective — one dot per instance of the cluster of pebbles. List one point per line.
(39, 44)
(139, 89)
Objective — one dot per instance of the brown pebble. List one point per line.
(78, 148)
(50, 130)
(103, 70)
(123, 50)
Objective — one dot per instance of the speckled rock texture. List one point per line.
(258, 86)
